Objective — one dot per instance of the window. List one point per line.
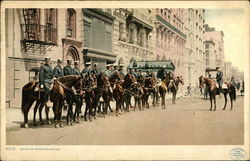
(51, 25)
(206, 46)
(121, 30)
(131, 33)
(32, 23)
(207, 53)
(71, 23)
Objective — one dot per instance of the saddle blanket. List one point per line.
(224, 86)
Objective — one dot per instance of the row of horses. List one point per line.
(91, 88)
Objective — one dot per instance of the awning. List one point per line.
(99, 54)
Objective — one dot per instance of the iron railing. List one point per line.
(39, 33)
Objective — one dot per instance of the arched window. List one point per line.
(71, 23)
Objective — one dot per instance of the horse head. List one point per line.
(201, 82)
(129, 80)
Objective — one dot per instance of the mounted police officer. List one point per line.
(87, 68)
(219, 77)
(120, 70)
(95, 69)
(45, 79)
(58, 70)
(76, 70)
(148, 74)
(67, 70)
(107, 72)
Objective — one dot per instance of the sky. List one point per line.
(235, 30)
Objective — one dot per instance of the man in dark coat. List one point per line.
(95, 69)
(58, 70)
(76, 70)
(45, 79)
(87, 68)
(219, 77)
(67, 70)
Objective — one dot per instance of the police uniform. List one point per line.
(86, 70)
(95, 70)
(76, 71)
(219, 77)
(58, 71)
(107, 72)
(45, 77)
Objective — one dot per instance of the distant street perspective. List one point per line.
(125, 76)
(188, 122)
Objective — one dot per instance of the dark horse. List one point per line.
(102, 85)
(30, 95)
(148, 88)
(163, 87)
(212, 89)
(69, 88)
(128, 86)
(228, 88)
(174, 85)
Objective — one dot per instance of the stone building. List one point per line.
(210, 56)
(33, 34)
(194, 67)
(170, 37)
(227, 71)
(217, 38)
(98, 26)
(133, 34)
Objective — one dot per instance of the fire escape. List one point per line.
(36, 39)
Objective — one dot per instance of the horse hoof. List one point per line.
(214, 109)
(231, 109)
(94, 117)
(25, 126)
(223, 109)
(68, 123)
(57, 126)
(61, 125)
(85, 119)
(210, 109)
(48, 122)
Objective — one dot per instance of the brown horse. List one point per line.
(163, 87)
(62, 90)
(212, 89)
(173, 86)
(128, 86)
(230, 89)
(148, 88)
(31, 95)
(116, 81)
(102, 85)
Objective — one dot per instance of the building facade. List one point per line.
(98, 26)
(133, 34)
(194, 21)
(217, 38)
(33, 34)
(170, 37)
(210, 56)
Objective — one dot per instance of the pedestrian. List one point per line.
(45, 80)
(67, 70)
(76, 70)
(238, 85)
(58, 70)
(242, 88)
(189, 89)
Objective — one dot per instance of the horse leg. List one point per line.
(25, 110)
(147, 101)
(56, 112)
(35, 110)
(40, 113)
(231, 99)
(47, 114)
(139, 103)
(225, 96)
(214, 102)
(163, 101)
(211, 102)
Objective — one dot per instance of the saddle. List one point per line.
(224, 86)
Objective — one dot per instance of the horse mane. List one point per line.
(211, 83)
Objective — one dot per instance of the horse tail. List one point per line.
(233, 92)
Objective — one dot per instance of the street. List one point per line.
(188, 122)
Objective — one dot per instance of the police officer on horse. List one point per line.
(87, 68)
(58, 70)
(219, 77)
(45, 79)
(76, 70)
(67, 69)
